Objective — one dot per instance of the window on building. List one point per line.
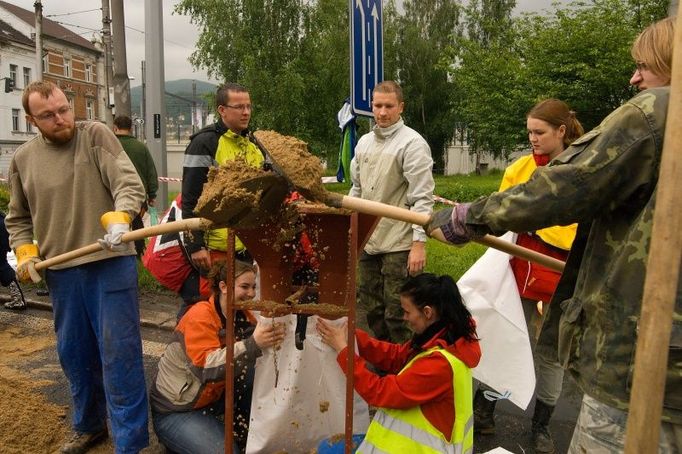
(15, 119)
(29, 126)
(27, 76)
(88, 73)
(67, 67)
(89, 110)
(46, 63)
(13, 73)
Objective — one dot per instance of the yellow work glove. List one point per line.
(116, 224)
(27, 257)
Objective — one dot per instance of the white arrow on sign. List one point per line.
(375, 15)
(358, 4)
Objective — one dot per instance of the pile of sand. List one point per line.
(292, 157)
(28, 422)
(237, 194)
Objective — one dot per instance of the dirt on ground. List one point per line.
(28, 422)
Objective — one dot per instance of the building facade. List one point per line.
(70, 61)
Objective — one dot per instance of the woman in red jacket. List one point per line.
(427, 385)
(552, 127)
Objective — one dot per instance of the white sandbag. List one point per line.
(308, 404)
(489, 290)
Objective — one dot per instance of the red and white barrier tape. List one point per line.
(169, 179)
(442, 200)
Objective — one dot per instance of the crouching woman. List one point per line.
(425, 398)
(187, 397)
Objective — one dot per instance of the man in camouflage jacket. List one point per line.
(605, 181)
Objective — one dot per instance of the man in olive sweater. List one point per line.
(144, 164)
(66, 184)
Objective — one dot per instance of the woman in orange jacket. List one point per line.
(187, 397)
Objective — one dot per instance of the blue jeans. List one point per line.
(97, 322)
(191, 432)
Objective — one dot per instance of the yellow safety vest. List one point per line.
(408, 431)
(519, 172)
(230, 147)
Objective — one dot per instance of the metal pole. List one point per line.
(194, 104)
(120, 79)
(108, 73)
(39, 40)
(143, 99)
(155, 109)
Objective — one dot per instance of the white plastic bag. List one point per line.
(308, 404)
(490, 293)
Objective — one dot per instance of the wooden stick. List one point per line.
(660, 285)
(403, 214)
(160, 229)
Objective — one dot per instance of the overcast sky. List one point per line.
(180, 36)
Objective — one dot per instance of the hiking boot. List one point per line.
(484, 414)
(542, 439)
(80, 443)
(17, 301)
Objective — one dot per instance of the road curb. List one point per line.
(146, 322)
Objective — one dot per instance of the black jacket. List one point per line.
(199, 156)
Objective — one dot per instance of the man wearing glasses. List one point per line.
(225, 140)
(64, 183)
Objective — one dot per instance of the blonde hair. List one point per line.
(389, 86)
(654, 47)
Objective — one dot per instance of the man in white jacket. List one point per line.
(392, 165)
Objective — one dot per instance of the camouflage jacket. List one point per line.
(606, 181)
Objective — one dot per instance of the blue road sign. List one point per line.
(367, 52)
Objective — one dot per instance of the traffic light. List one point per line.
(9, 85)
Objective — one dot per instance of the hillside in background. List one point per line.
(175, 107)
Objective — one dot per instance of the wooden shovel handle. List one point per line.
(403, 214)
(160, 229)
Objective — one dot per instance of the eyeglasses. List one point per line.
(641, 66)
(241, 107)
(52, 116)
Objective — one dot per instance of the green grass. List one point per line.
(444, 258)
(146, 281)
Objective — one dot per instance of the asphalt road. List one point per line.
(513, 425)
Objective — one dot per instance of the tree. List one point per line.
(421, 36)
(574, 57)
(488, 77)
(256, 43)
(580, 54)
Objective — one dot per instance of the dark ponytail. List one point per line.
(442, 295)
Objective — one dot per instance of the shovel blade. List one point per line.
(253, 204)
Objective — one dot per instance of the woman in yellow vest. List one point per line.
(552, 127)
(424, 399)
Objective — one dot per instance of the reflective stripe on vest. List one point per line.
(398, 431)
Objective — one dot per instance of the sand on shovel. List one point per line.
(237, 194)
(299, 166)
